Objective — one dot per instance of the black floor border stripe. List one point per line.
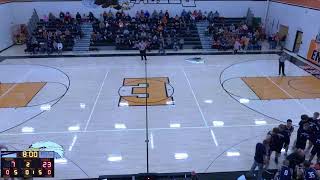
(137, 54)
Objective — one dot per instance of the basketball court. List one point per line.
(204, 116)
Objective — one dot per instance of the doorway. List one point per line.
(297, 41)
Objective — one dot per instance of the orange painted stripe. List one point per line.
(19, 94)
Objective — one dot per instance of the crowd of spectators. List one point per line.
(234, 36)
(298, 164)
(54, 34)
(159, 29)
(276, 40)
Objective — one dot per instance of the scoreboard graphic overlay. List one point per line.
(27, 164)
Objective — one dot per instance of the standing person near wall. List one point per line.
(236, 46)
(60, 47)
(161, 46)
(282, 59)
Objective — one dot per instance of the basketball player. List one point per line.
(276, 143)
(316, 147)
(259, 159)
(288, 130)
(284, 173)
(282, 59)
(309, 172)
(302, 136)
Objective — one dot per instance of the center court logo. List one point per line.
(154, 91)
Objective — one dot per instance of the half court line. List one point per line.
(200, 110)
(95, 102)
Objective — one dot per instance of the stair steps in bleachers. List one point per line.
(205, 39)
(83, 44)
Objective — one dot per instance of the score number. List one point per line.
(46, 164)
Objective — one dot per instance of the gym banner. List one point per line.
(314, 52)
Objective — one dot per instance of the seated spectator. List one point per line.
(216, 44)
(61, 15)
(102, 26)
(183, 13)
(147, 14)
(166, 14)
(216, 14)
(91, 17)
(161, 14)
(78, 17)
(169, 42)
(67, 17)
(181, 43)
(155, 15)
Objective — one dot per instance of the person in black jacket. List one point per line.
(278, 140)
(260, 159)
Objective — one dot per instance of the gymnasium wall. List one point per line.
(6, 22)
(296, 18)
(225, 8)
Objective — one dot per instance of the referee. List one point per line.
(282, 59)
(142, 48)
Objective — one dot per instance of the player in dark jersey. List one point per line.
(314, 129)
(288, 129)
(304, 120)
(316, 147)
(309, 172)
(296, 158)
(303, 135)
(284, 173)
(276, 143)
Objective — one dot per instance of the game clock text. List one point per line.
(26, 164)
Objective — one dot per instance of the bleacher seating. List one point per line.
(173, 32)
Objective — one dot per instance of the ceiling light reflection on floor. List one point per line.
(244, 101)
(74, 128)
(170, 102)
(208, 101)
(123, 104)
(82, 105)
(231, 154)
(260, 122)
(180, 156)
(113, 158)
(175, 125)
(45, 107)
(61, 161)
(120, 126)
(27, 129)
(218, 123)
